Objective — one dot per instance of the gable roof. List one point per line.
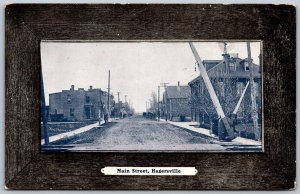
(213, 69)
(178, 92)
(211, 63)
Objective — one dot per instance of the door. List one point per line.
(87, 111)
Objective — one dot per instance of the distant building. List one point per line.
(229, 78)
(122, 110)
(176, 103)
(78, 105)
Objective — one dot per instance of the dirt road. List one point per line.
(138, 133)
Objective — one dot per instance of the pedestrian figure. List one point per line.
(100, 116)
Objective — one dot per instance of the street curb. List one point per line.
(194, 132)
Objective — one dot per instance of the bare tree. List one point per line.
(153, 102)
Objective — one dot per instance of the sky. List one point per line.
(136, 68)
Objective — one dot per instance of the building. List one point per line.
(229, 78)
(78, 105)
(122, 110)
(176, 103)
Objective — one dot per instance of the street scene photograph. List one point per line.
(151, 96)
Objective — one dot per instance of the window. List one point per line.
(221, 89)
(72, 112)
(69, 98)
(232, 66)
(239, 88)
(87, 99)
(246, 65)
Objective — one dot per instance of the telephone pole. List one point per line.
(129, 103)
(158, 112)
(253, 96)
(119, 105)
(163, 85)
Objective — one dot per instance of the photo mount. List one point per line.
(28, 24)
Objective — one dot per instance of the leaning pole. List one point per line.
(212, 93)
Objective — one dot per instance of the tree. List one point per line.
(153, 102)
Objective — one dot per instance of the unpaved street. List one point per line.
(138, 133)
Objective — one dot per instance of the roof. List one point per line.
(211, 63)
(56, 93)
(178, 92)
(213, 66)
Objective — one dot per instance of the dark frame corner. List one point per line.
(26, 25)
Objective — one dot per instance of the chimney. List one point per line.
(72, 88)
(91, 87)
(178, 87)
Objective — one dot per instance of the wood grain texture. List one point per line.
(26, 25)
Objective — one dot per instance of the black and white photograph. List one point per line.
(193, 96)
(162, 96)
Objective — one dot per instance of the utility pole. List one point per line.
(100, 107)
(108, 96)
(253, 96)
(148, 105)
(236, 109)
(119, 106)
(165, 86)
(225, 47)
(158, 112)
(226, 57)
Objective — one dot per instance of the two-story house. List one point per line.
(229, 78)
(176, 103)
(78, 105)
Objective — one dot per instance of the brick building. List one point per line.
(229, 80)
(176, 103)
(78, 105)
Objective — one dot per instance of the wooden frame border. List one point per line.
(27, 24)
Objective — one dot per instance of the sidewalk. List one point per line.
(205, 132)
(72, 133)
